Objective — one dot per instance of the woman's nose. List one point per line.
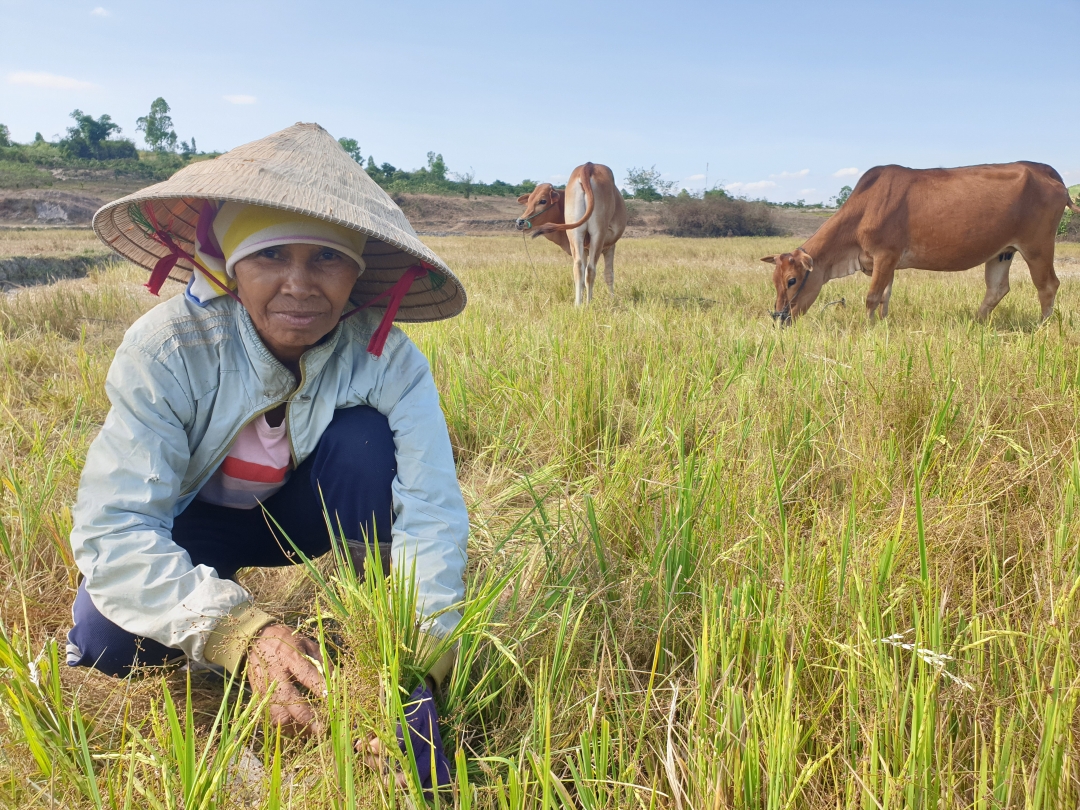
(299, 280)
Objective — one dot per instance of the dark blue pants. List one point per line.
(353, 465)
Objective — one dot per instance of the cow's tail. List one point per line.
(586, 184)
(1068, 197)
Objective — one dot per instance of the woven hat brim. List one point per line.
(311, 179)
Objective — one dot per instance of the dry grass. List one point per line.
(721, 537)
(59, 242)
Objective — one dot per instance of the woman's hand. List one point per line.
(422, 729)
(283, 657)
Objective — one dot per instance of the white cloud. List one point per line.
(786, 175)
(100, 12)
(759, 185)
(241, 99)
(807, 191)
(47, 80)
(849, 172)
(695, 177)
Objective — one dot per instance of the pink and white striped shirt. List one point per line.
(256, 466)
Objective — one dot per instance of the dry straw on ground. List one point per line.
(714, 563)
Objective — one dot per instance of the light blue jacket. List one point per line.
(183, 383)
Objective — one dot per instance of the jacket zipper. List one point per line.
(288, 408)
(228, 446)
(256, 415)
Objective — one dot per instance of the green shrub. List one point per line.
(91, 139)
(432, 179)
(22, 175)
(1069, 229)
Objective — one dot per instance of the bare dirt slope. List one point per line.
(73, 198)
(48, 207)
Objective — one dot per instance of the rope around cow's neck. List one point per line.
(525, 242)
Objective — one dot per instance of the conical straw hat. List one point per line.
(301, 169)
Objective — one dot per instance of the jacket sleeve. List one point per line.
(122, 525)
(431, 524)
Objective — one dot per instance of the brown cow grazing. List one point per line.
(932, 219)
(594, 203)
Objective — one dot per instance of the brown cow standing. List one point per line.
(593, 201)
(932, 219)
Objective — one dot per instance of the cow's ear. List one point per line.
(770, 259)
(553, 196)
(524, 198)
(805, 259)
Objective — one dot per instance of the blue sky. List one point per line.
(779, 99)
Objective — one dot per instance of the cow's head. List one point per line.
(790, 271)
(541, 206)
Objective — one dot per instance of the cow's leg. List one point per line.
(577, 250)
(997, 282)
(579, 280)
(1041, 264)
(609, 269)
(590, 272)
(885, 296)
(880, 284)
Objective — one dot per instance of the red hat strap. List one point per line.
(396, 294)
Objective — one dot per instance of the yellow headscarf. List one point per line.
(240, 230)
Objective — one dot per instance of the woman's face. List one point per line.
(295, 295)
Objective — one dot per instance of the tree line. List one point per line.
(91, 142)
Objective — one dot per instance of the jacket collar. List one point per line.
(275, 378)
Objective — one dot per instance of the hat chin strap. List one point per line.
(395, 294)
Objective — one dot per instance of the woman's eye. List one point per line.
(329, 256)
(270, 253)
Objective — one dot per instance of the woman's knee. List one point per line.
(95, 641)
(354, 468)
(359, 444)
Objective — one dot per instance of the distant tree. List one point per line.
(381, 174)
(90, 139)
(38, 138)
(5, 135)
(157, 127)
(436, 166)
(353, 148)
(842, 197)
(466, 179)
(646, 184)
(188, 149)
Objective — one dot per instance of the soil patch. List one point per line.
(50, 208)
(802, 224)
(436, 215)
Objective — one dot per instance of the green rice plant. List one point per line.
(712, 563)
(195, 767)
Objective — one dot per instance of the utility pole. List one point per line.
(706, 191)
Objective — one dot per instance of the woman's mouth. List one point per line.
(298, 319)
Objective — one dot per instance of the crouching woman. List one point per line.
(269, 384)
